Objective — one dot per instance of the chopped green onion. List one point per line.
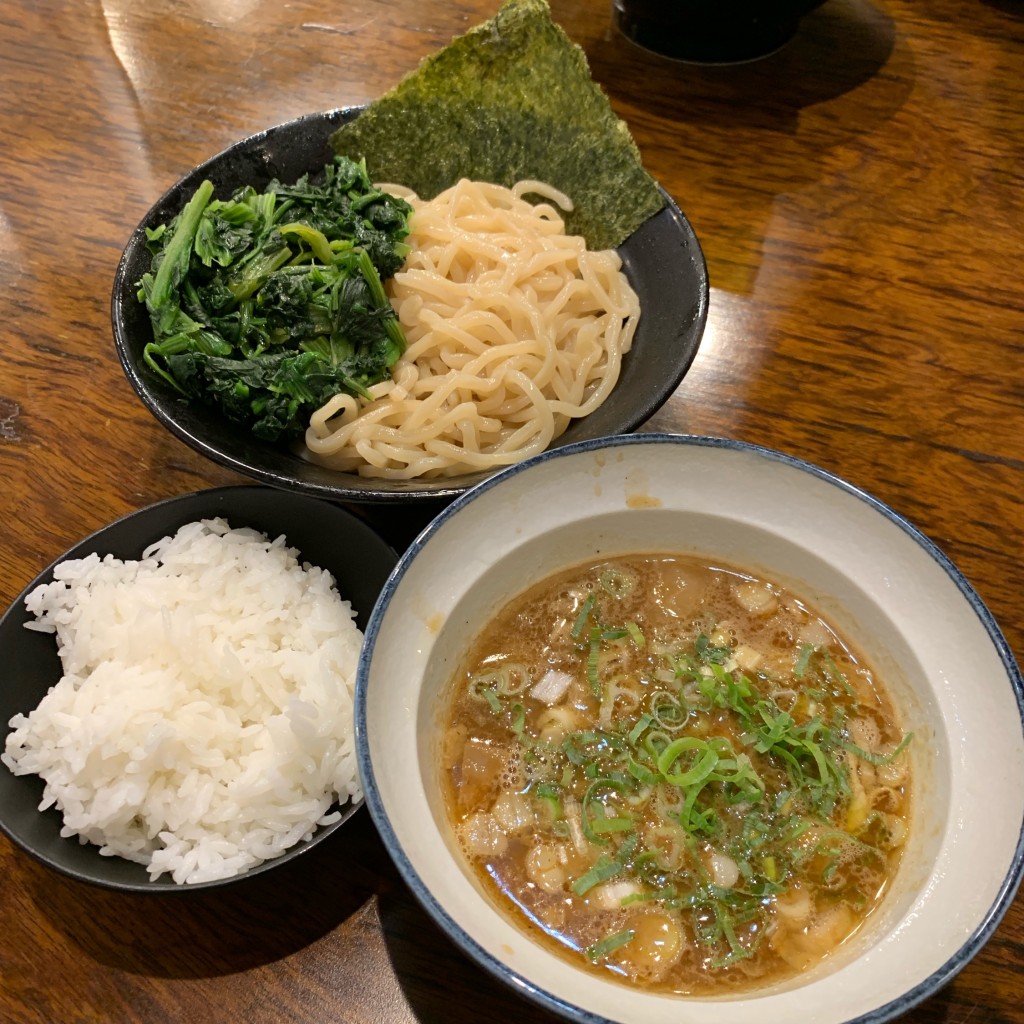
(836, 674)
(736, 950)
(604, 869)
(634, 631)
(668, 892)
(581, 618)
(819, 759)
(642, 773)
(518, 720)
(616, 582)
(668, 711)
(655, 742)
(602, 826)
(708, 653)
(549, 794)
(592, 662)
(486, 693)
(703, 762)
(642, 723)
(507, 681)
(806, 650)
(609, 945)
(878, 759)
(597, 824)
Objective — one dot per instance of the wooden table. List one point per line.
(859, 199)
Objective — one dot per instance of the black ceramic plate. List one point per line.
(663, 259)
(325, 535)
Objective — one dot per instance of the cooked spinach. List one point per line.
(269, 303)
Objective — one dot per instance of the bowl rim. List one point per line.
(87, 545)
(371, 491)
(897, 1006)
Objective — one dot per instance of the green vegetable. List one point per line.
(606, 867)
(636, 634)
(513, 98)
(803, 661)
(268, 304)
(593, 658)
(598, 824)
(697, 768)
(550, 796)
(581, 619)
(879, 759)
(610, 944)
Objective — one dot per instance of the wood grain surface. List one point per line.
(859, 199)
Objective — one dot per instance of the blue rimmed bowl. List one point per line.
(907, 608)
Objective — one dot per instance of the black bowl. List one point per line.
(711, 31)
(663, 260)
(325, 535)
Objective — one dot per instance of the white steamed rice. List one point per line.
(203, 723)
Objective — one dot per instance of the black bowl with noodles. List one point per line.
(662, 258)
(333, 538)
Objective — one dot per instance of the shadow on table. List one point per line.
(384, 948)
(838, 48)
(212, 932)
(732, 139)
(1014, 8)
(434, 974)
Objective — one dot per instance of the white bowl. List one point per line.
(908, 609)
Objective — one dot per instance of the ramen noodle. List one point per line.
(676, 773)
(513, 329)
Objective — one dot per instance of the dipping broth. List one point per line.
(676, 773)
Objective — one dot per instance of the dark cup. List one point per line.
(711, 31)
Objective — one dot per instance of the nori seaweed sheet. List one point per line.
(513, 98)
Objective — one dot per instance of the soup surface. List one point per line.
(677, 773)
